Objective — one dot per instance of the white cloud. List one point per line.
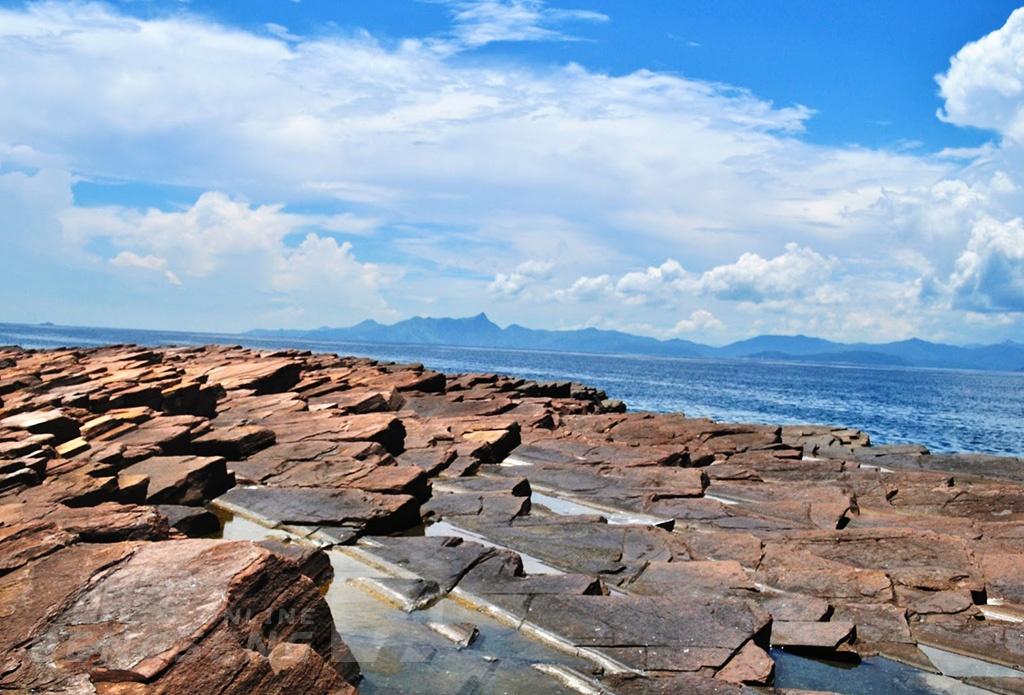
(796, 272)
(129, 259)
(229, 241)
(984, 86)
(198, 239)
(535, 269)
(512, 284)
(701, 320)
(461, 170)
(657, 283)
(281, 32)
(322, 278)
(587, 289)
(479, 22)
(793, 274)
(989, 274)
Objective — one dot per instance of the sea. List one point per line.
(944, 409)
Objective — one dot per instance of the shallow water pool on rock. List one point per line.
(399, 652)
(871, 676)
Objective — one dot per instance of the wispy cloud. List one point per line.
(130, 259)
(479, 22)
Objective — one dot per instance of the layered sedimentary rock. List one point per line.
(672, 552)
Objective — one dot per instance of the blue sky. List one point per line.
(706, 170)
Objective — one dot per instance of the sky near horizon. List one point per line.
(702, 170)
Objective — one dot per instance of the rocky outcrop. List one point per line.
(671, 552)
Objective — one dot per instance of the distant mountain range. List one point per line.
(480, 331)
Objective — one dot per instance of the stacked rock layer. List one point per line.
(679, 551)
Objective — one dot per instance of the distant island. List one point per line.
(480, 331)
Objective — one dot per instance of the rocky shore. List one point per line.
(642, 553)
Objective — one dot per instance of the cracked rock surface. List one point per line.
(674, 553)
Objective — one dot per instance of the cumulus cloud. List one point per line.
(752, 278)
(796, 272)
(656, 283)
(984, 86)
(470, 165)
(512, 284)
(701, 320)
(199, 238)
(587, 289)
(989, 274)
(229, 240)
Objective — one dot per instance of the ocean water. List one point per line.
(946, 410)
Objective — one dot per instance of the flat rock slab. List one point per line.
(795, 607)
(260, 376)
(167, 435)
(802, 572)
(814, 635)
(362, 474)
(495, 506)
(22, 542)
(233, 443)
(616, 552)
(441, 559)
(185, 480)
(876, 623)
(368, 511)
(502, 574)
(683, 578)
(105, 523)
(625, 488)
(651, 633)
(52, 422)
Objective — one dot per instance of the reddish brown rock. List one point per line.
(368, 512)
(260, 376)
(344, 447)
(24, 541)
(801, 572)
(687, 577)
(52, 422)
(168, 435)
(233, 442)
(875, 623)
(188, 480)
(198, 615)
(194, 522)
(796, 607)
(751, 665)
(1004, 576)
(354, 473)
(813, 635)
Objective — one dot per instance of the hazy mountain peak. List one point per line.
(480, 331)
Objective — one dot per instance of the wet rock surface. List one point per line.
(672, 553)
